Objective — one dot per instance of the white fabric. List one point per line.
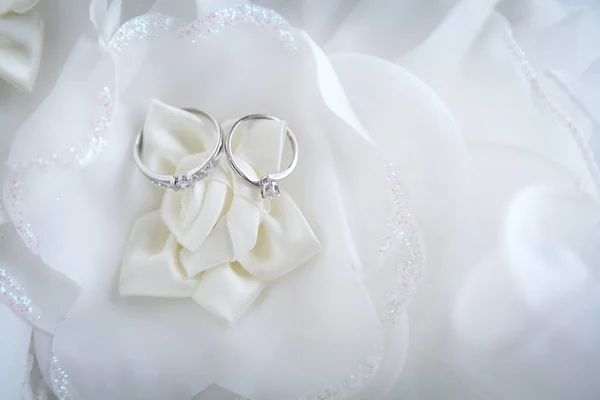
(14, 348)
(21, 39)
(17, 6)
(325, 294)
(87, 62)
(439, 171)
(106, 18)
(509, 304)
(510, 278)
(217, 242)
(51, 293)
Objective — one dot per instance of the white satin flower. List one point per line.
(217, 242)
(342, 296)
(21, 40)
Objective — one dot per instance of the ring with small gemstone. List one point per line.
(179, 182)
(269, 184)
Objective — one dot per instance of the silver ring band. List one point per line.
(268, 183)
(192, 176)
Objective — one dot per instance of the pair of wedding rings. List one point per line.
(269, 184)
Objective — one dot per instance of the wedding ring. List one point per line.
(192, 176)
(269, 184)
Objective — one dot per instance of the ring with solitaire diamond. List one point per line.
(269, 183)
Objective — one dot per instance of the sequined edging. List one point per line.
(355, 382)
(60, 382)
(23, 228)
(403, 239)
(14, 296)
(139, 28)
(247, 13)
(94, 144)
(561, 116)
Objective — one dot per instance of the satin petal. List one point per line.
(151, 264)
(227, 291)
(285, 241)
(21, 37)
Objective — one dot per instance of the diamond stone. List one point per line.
(160, 183)
(269, 189)
(198, 175)
(181, 182)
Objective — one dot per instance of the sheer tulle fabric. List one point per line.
(15, 348)
(320, 308)
(505, 198)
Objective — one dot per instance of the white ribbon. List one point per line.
(21, 40)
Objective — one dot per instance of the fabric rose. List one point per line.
(485, 109)
(218, 242)
(79, 202)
